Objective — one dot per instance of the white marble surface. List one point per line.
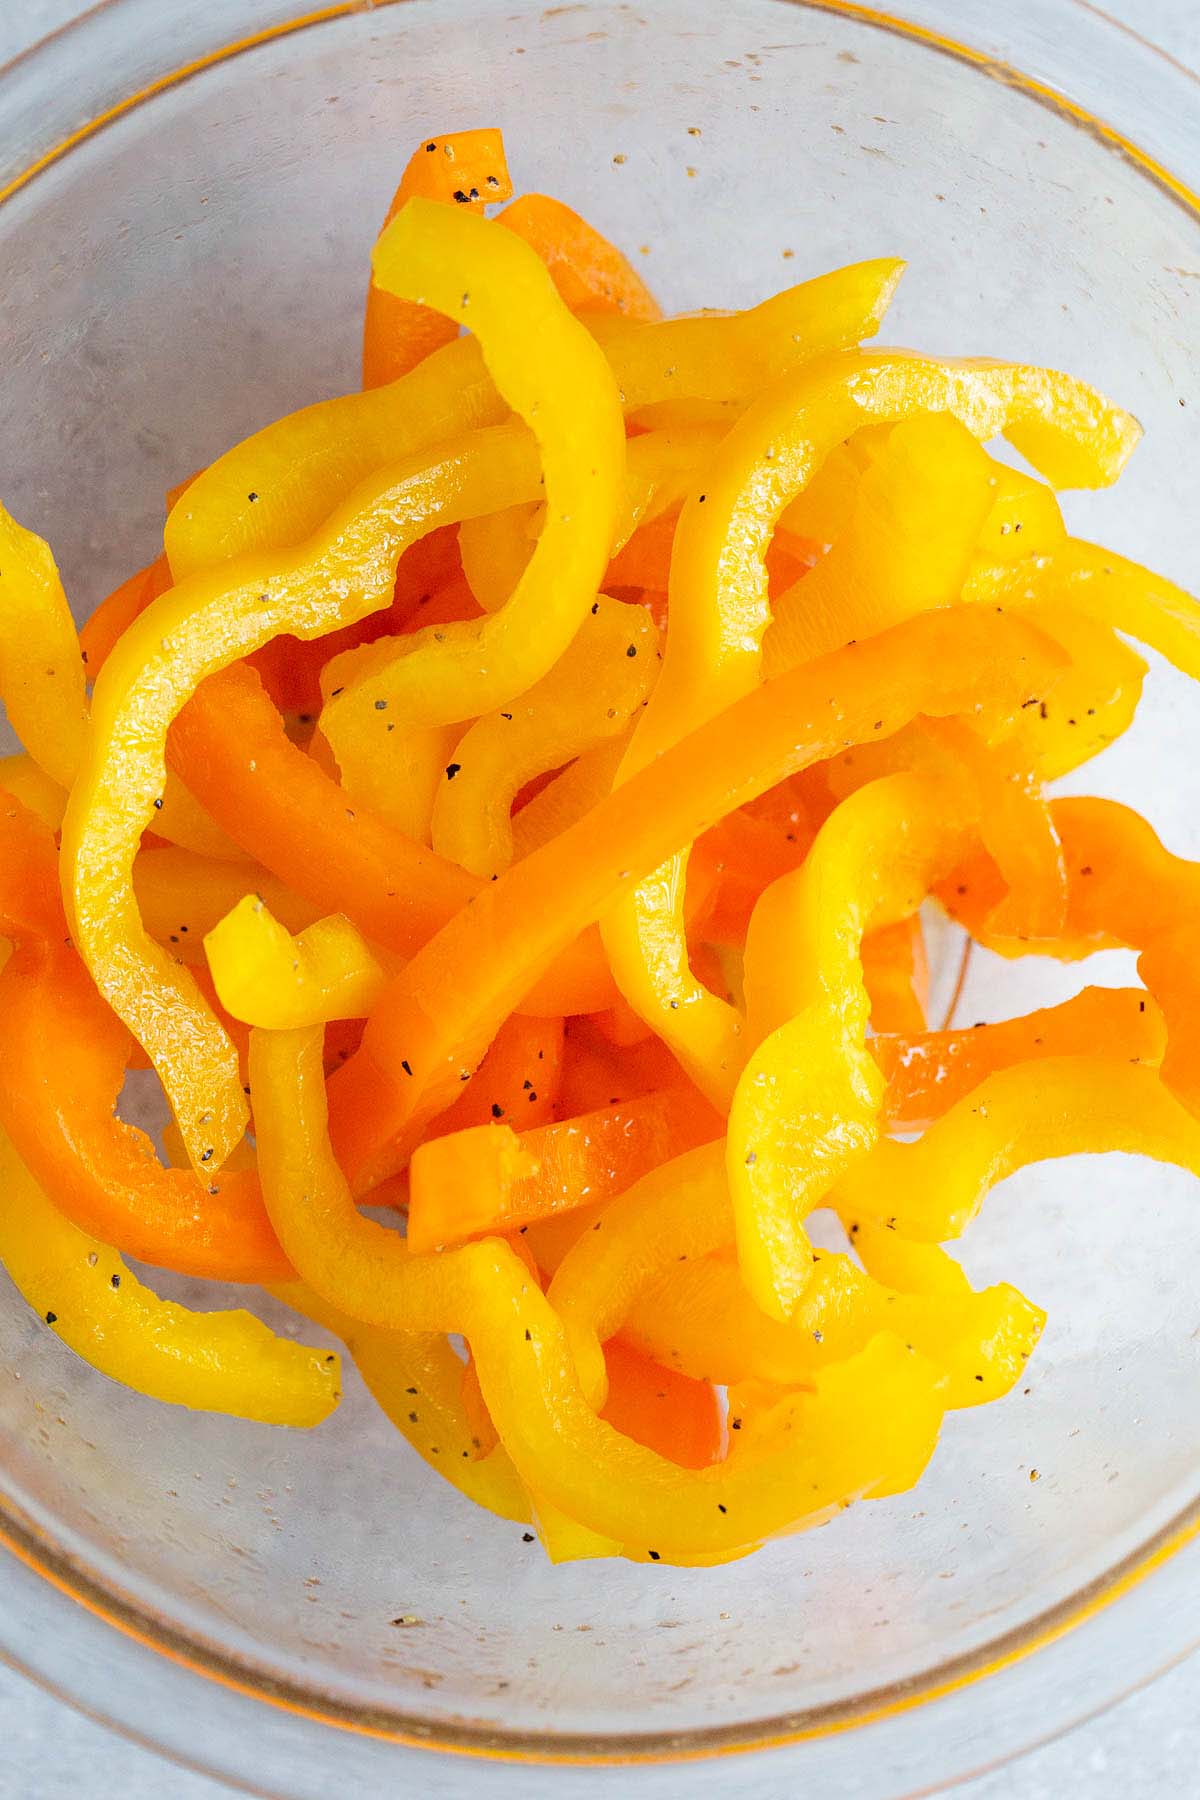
(1146, 1748)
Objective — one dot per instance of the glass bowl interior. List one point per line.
(196, 268)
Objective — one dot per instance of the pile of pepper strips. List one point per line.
(546, 753)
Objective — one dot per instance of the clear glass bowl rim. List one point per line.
(1036, 54)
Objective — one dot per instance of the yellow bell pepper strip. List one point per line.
(64, 1062)
(274, 489)
(905, 1264)
(416, 1380)
(1024, 520)
(41, 671)
(181, 897)
(927, 1072)
(700, 1319)
(438, 1016)
(588, 271)
(267, 977)
(181, 820)
(222, 1362)
(806, 1108)
(719, 604)
(27, 782)
(242, 1155)
(346, 571)
(870, 1424)
(466, 169)
(1094, 699)
(592, 692)
(1110, 589)
(495, 552)
(553, 375)
(919, 509)
(932, 1188)
(490, 1180)
(117, 611)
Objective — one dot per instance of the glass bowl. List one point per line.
(194, 192)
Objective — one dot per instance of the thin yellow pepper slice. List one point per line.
(932, 1188)
(720, 611)
(869, 1425)
(587, 697)
(807, 1105)
(569, 797)
(181, 897)
(416, 1380)
(207, 622)
(265, 976)
(29, 783)
(42, 678)
(553, 375)
(224, 1362)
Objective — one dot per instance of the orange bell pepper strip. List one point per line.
(468, 169)
(554, 376)
(587, 270)
(671, 1413)
(222, 1362)
(230, 743)
(807, 1105)
(592, 692)
(416, 1380)
(869, 1425)
(491, 1180)
(59, 1080)
(116, 613)
(518, 1079)
(720, 607)
(1167, 966)
(931, 1189)
(896, 976)
(596, 1074)
(1124, 889)
(927, 1072)
(439, 1014)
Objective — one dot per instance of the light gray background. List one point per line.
(1148, 1748)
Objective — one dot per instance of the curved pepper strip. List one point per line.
(807, 1105)
(468, 169)
(720, 610)
(699, 1318)
(590, 695)
(567, 799)
(346, 571)
(896, 976)
(29, 783)
(439, 1014)
(918, 512)
(416, 1380)
(870, 1425)
(231, 743)
(274, 489)
(490, 1180)
(552, 374)
(41, 672)
(116, 613)
(267, 977)
(221, 1362)
(932, 1188)
(64, 1062)
(927, 1072)
(588, 271)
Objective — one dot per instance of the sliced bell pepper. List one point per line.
(415, 1379)
(932, 1188)
(468, 169)
(588, 271)
(118, 611)
(438, 1016)
(266, 976)
(29, 783)
(41, 672)
(554, 376)
(929, 1071)
(519, 1076)
(567, 799)
(182, 897)
(671, 1413)
(806, 1107)
(720, 610)
(222, 1362)
(896, 976)
(490, 1179)
(592, 692)
(869, 1426)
